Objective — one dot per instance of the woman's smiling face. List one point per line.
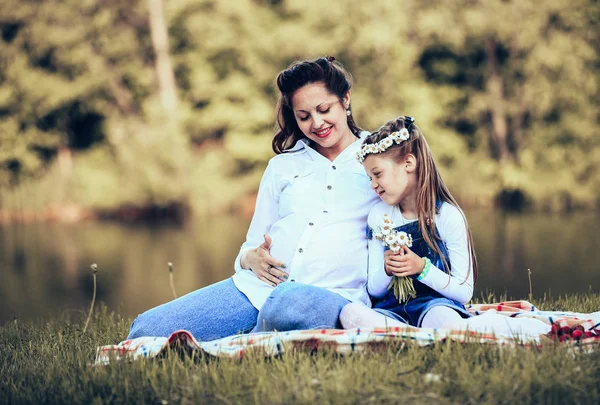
(322, 118)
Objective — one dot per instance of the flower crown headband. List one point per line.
(385, 143)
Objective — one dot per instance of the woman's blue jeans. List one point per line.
(221, 310)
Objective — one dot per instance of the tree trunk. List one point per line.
(121, 95)
(518, 122)
(164, 68)
(495, 91)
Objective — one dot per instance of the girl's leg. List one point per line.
(489, 322)
(296, 306)
(359, 316)
(212, 312)
(441, 317)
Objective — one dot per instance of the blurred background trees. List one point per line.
(106, 104)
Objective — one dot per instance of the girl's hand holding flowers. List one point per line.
(403, 263)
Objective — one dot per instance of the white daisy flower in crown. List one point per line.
(387, 142)
(372, 148)
(404, 135)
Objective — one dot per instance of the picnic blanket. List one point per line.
(566, 328)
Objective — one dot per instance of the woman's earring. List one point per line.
(348, 112)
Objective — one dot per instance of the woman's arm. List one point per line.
(254, 253)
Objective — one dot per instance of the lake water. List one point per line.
(45, 268)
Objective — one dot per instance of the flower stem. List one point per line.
(530, 285)
(171, 281)
(87, 321)
(403, 288)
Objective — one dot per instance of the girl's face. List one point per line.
(394, 182)
(322, 118)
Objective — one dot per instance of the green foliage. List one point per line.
(50, 362)
(508, 87)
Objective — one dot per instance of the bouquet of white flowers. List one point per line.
(403, 286)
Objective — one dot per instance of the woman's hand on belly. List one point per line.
(266, 268)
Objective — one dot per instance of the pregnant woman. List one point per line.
(305, 255)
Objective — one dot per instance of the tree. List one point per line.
(529, 91)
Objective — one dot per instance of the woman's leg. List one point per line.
(296, 306)
(359, 316)
(209, 313)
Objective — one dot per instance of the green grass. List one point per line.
(49, 362)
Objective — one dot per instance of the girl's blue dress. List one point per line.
(413, 310)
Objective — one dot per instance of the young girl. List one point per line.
(436, 274)
(440, 264)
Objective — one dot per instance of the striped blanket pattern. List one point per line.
(567, 328)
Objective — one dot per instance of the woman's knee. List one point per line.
(137, 327)
(281, 308)
(296, 306)
(288, 293)
(291, 299)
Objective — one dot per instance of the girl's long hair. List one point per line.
(328, 71)
(431, 186)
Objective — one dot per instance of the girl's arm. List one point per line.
(377, 281)
(453, 231)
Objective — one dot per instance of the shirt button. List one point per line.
(328, 187)
(311, 223)
(300, 250)
(333, 167)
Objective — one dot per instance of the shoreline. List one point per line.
(178, 212)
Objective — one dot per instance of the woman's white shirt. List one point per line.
(452, 229)
(315, 211)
